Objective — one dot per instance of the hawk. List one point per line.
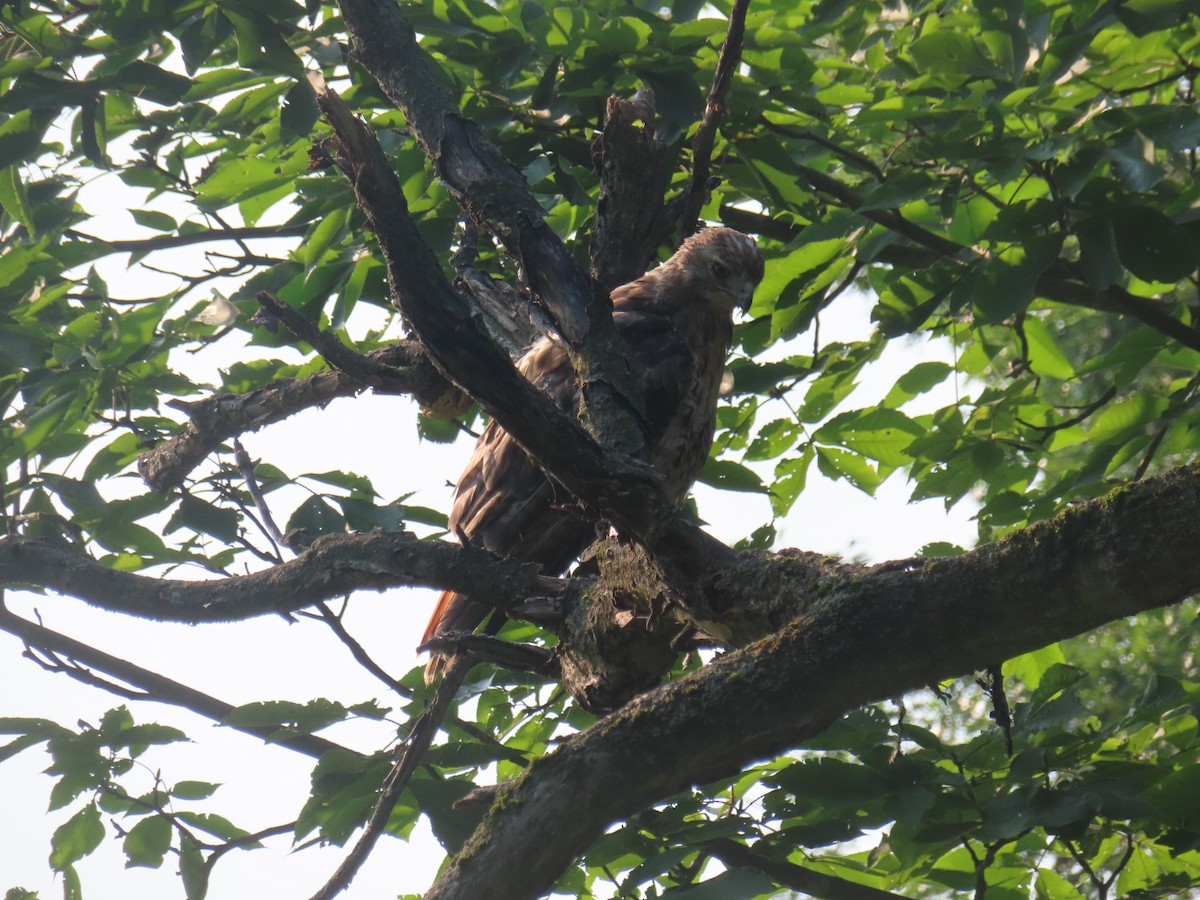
(678, 322)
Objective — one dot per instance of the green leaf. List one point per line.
(22, 134)
(1029, 668)
(286, 714)
(76, 838)
(731, 476)
(880, 434)
(774, 439)
(192, 869)
(953, 53)
(920, 378)
(147, 842)
(836, 464)
(150, 218)
(744, 884)
(299, 112)
(13, 198)
(328, 230)
(193, 790)
(202, 516)
(316, 517)
(1006, 285)
(1153, 247)
(1045, 357)
(1098, 258)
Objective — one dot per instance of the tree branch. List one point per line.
(495, 195)
(634, 173)
(623, 489)
(217, 418)
(487, 186)
(333, 565)
(1062, 282)
(208, 236)
(916, 625)
(156, 687)
(714, 112)
(422, 735)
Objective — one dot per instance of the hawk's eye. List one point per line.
(720, 270)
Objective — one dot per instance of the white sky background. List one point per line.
(269, 659)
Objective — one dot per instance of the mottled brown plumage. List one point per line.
(678, 321)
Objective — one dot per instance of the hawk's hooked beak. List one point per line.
(745, 296)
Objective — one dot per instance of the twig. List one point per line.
(167, 241)
(807, 134)
(418, 742)
(714, 112)
(334, 621)
(245, 840)
(246, 466)
(1085, 411)
(889, 218)
(1148, 457)
(332, 350)
(156, 687)
(901, 715)
(518, 657)
(993, 685)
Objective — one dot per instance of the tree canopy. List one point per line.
(400, 197)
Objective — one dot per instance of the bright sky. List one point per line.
(271, 659)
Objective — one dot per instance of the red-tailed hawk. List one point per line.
(678, 322)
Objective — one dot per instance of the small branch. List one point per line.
(993, 686)
(246, 466)
(517, 657)
(851, 157)
(246, 841)
(217, 418)
(168, 241)
(889, 218)
(357, 650)
(1085, 411)
(1079, 858)
(156, 687)
(418, 742)
(1148, 456)
(350, 362)
(714, 112)
(1119, 867)
(797, 878)
(1061, 282)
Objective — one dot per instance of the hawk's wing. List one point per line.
(505, 503)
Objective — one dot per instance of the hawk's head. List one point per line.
(724, 265)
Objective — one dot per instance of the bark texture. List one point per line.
(863, 638)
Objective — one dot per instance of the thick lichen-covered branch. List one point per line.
(864, 637)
